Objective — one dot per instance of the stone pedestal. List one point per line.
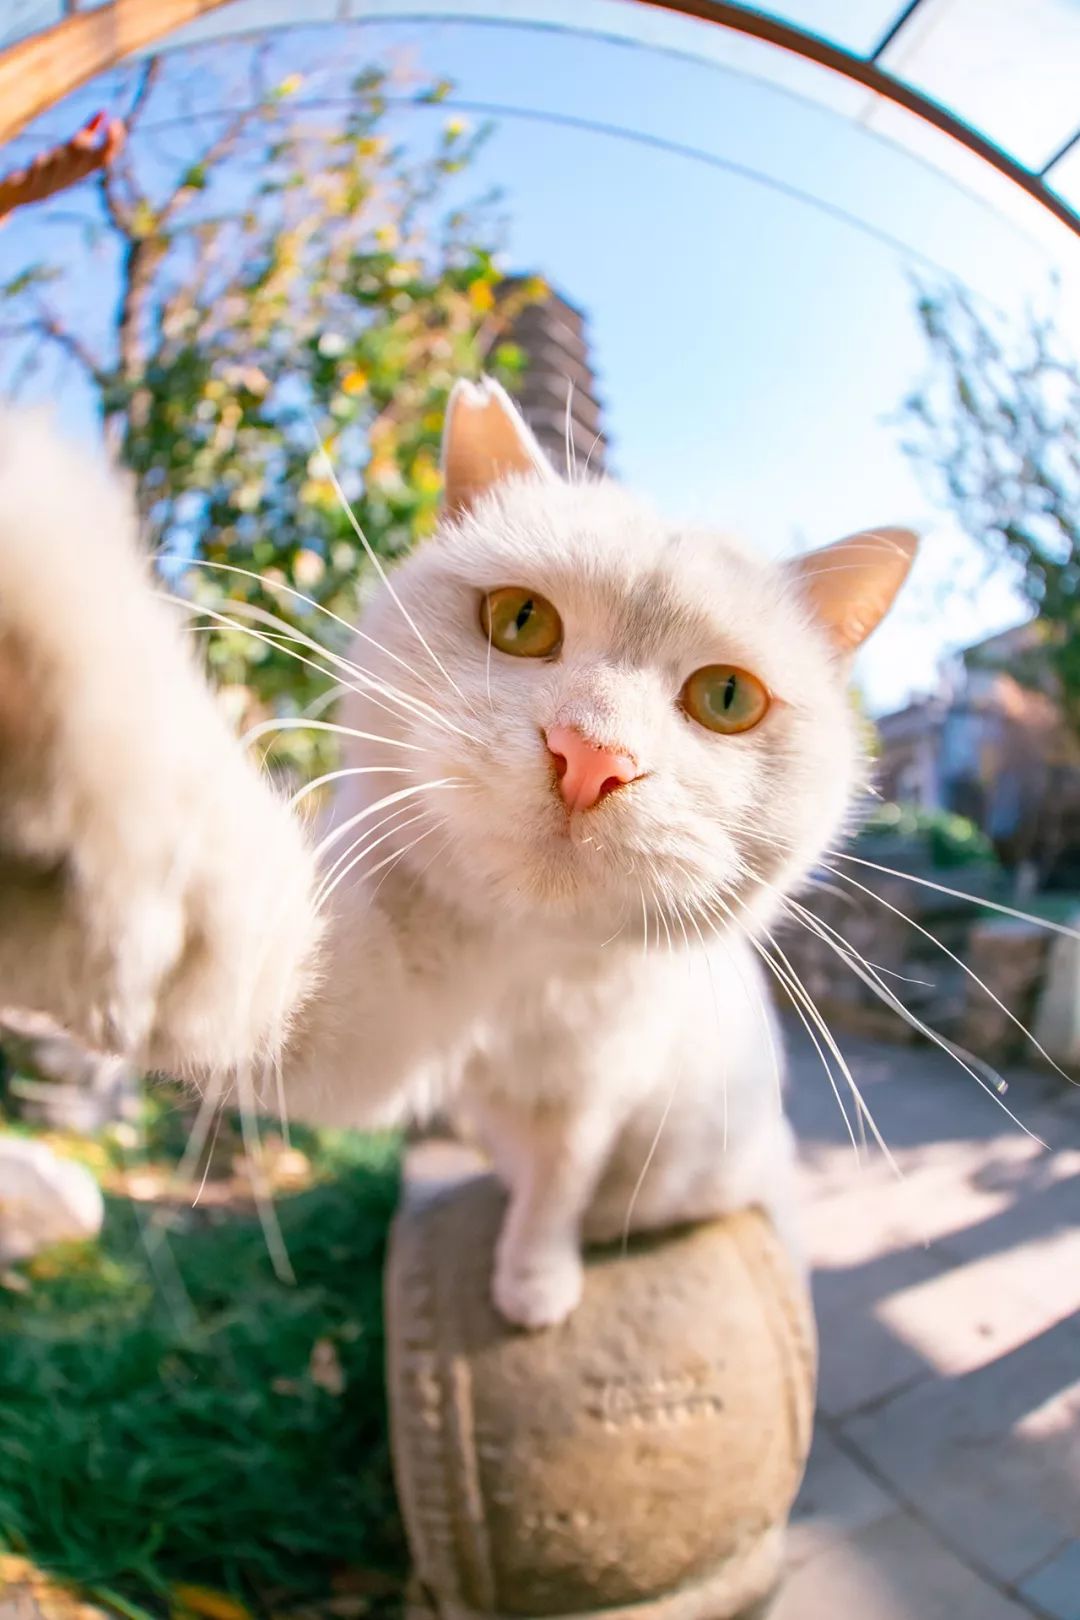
(641, 1459)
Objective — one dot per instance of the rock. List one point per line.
(1057, 1014)
(61, 1084)
(640, 1459)
(43, 1200)
(1009, 956)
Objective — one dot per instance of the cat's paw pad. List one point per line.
(538, 1290)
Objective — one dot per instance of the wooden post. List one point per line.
(36, 72)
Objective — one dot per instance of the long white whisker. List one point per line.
(381, 571)
(756, 999)
(392, 860)
(956, 1052)
(219, 1116)
(660, 903)
(962, 965)
(352, 821)
(391, 816)
(328, 889)
(259, 635)
(264, 1203)
(802, 1003)
(271, 585)
(716, 1007)
(210, 1106)
(956, 894)
(596, 440)
(316, 707)
(802, 998)
(267, 727)
(649, 1157)
(347, 770)
(491, 704)
(284, 635)
(371, 682)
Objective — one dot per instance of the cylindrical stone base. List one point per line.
(640, 1459)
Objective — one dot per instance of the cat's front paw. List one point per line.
(156, 897)
(538, 1288)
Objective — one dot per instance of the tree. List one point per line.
(997, 426)
(298, 280)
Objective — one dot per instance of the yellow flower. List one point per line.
(481, 296)
(354, 381)
(426, 476)
(312, 492)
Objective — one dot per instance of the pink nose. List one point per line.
(586, 773)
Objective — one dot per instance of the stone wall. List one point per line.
(888, 928)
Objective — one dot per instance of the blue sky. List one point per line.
(752, 347)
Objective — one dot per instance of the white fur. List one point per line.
(156, 897)
(621, 1067)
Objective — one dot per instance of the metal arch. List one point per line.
(865, 70)
(34, 73)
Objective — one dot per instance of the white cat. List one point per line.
(590, 754)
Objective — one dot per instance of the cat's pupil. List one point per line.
(729, 693)
(524, 613)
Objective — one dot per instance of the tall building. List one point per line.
(554, 337)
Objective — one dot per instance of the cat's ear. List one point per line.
(484, 441)
(851, 585)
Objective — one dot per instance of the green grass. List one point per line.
(162, 1419)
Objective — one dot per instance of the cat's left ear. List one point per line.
(851, 585)
(485, 440)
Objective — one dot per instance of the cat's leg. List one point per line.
(155, 894)
(551, 1158)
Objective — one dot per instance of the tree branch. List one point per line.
(50, 326)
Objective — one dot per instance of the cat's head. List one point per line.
(637, 717)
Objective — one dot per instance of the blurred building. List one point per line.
(995, 748)
(558, 394)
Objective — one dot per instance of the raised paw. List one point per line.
(537, 1289)
(156, 896)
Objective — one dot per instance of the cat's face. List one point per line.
(699, 668)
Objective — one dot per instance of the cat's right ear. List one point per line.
(485, 440)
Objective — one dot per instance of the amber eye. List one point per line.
(520, 622)
(725, 699)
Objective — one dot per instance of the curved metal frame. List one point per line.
(36, 72)
(865, 70)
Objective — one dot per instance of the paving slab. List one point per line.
(837, 1499)
(892, 1570)
(1055, 1586)
(945, 1478)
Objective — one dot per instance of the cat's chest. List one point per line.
(557, 1023)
